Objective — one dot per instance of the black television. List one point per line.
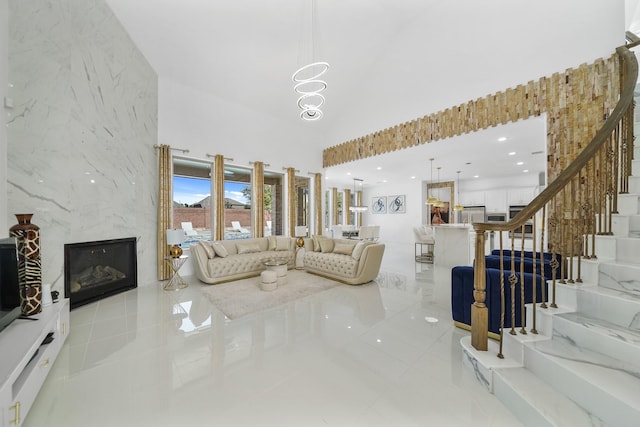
(9, 286)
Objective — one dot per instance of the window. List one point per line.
(273, 191)
(302, 200)
(192, 199)
(237, 203)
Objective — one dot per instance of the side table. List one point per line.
(176, 282)
(279, 266)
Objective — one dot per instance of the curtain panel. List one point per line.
(164, 209)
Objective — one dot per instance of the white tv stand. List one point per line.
(25, 361)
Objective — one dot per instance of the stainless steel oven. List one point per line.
(497, 217)
(528, 226)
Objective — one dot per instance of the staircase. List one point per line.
(583, 366)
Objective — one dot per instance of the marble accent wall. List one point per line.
(82, 130)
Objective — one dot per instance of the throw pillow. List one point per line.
(272, 243)
(208, 249)
(316, 242)
(247, 247)
(326, 245)
(220, 250)
(357, 251)
(343, 248)
(282, 243)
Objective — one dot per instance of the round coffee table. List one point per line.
(279, 266)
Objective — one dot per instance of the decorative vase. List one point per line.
(29, 266)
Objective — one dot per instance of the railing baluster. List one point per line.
(513, 279)
(535, 280)
(542, 251)
(579, 237)
(500, 355)
(592, 211)
(571, 226)
(522, 299)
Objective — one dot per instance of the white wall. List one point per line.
(396, 228)
(508, 43)
(81, 134)
(4, 81)
(206, 124)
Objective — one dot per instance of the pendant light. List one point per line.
(307, 79)
(431, 200)
(439, 203)
(458, 206)
(357, 208)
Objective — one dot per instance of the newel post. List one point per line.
(479, 311)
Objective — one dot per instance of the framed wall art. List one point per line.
(397, 204)
(379, 205)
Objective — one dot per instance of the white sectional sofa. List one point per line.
(352, 262)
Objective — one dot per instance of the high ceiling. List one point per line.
(385, 55)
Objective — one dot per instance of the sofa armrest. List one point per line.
(369, 264)
(200, 259)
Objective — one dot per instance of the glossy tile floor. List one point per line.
(383, 354)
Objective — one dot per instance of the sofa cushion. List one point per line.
(282, 243)
(247, 247)
(316, 242)
(343, 248)
(207, 249)
(326, 244)
(220, 250)
(272, 243)
(359, 248)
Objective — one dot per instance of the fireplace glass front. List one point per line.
(96, 270)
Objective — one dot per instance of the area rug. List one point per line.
(241, 297)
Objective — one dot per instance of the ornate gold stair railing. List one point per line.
(578, 205)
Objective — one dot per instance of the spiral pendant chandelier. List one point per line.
(308, 82)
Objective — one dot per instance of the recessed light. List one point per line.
(525, 171)
(431, 319)
(476, 176)
(513, 153)
(348, 173)
(379, 168)
(520, 163)
(502, 139)
(384, 180)
(413, 177)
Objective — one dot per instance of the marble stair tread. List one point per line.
(538, 404)
(601, 335)
(588, 375)
(630, 335)
(627, 249)
(620, 276)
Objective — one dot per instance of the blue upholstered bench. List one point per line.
(493, 261)
(462, 296)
